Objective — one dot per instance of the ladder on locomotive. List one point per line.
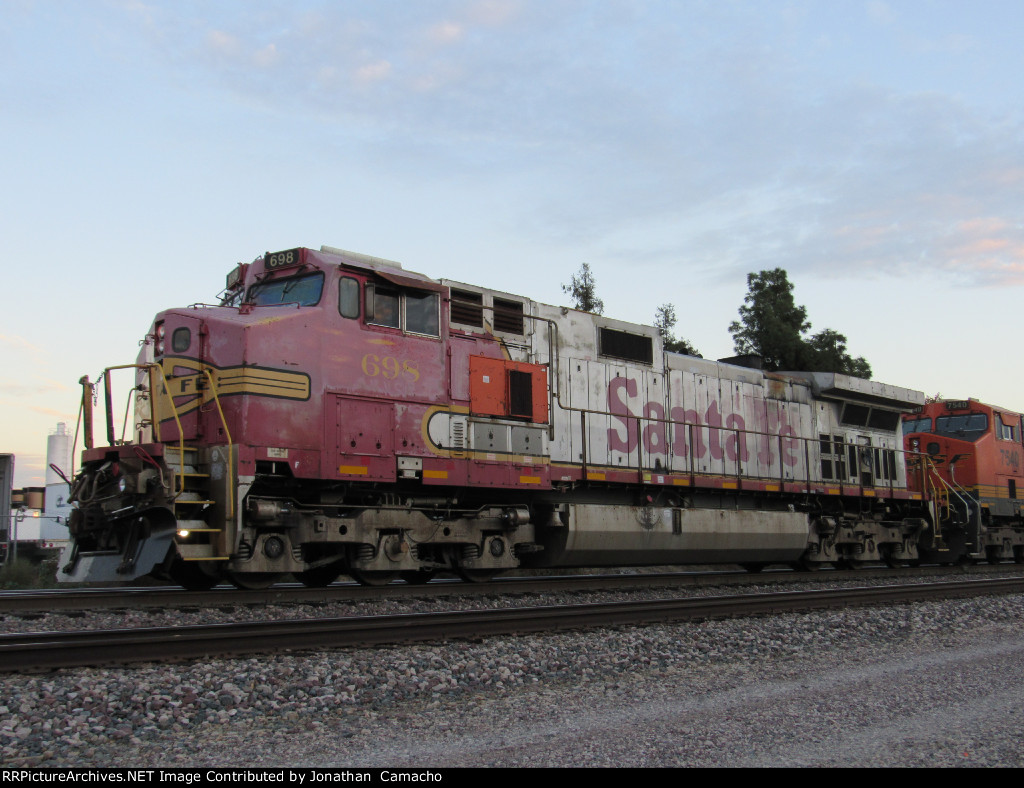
(193, 506)
(953, 505)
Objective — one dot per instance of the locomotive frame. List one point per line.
(336, 413)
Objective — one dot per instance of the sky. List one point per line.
(874, 150)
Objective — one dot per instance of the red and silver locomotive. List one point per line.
(339, 414)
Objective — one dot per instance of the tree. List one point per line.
(584, 291)
(665, 321)
(828, 354)
(772, 326)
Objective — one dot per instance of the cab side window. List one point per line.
(421, 313)
(413, 311)
(1007, 432)
(348, 297)
(382, 307)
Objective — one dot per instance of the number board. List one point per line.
(275, 260)
(957, 404)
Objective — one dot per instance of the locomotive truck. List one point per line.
(336, 413)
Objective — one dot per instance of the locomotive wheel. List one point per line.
(417, 577)
(253, 581)
(320, 577)
(753, 568)
(365, 578)
(891, 561)
(477, 575)
(191, 577)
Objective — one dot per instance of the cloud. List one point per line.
(373, 72)
(19, 343)
(987, 250)
(735, 141)
(267, 56)
(16, 403)
(62, 415)
(494, 13)
(446, 32)
(15, 389)
(881, 13)
(223, 43)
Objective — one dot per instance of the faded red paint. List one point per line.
(705, 431)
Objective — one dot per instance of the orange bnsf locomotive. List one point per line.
(337, 414)
(966, 456)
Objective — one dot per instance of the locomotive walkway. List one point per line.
(38, 651)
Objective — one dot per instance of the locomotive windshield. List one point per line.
(301, 290)
(968, 426)
(917, 425)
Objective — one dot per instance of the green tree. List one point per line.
(583, 290)
(772, 326)
(665, 321)
(827, 350)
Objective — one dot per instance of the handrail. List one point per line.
(944, 489)
(798, 448)
(149, 367)
(227, 433)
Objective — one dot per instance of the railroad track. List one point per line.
(135, 598)
(38, 651)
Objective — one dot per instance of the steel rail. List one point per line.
(143, 597)
(47, 650)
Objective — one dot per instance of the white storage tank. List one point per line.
(57, 510)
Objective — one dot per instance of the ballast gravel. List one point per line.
(927, 684)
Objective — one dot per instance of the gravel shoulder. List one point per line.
(933, 684)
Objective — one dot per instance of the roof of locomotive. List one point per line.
(834, 385)
(950, 404)
(828, 385)
(389, 269)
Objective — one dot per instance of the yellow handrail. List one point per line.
(150, 368)
(943, 491)
(153, 406)
(227, 433)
